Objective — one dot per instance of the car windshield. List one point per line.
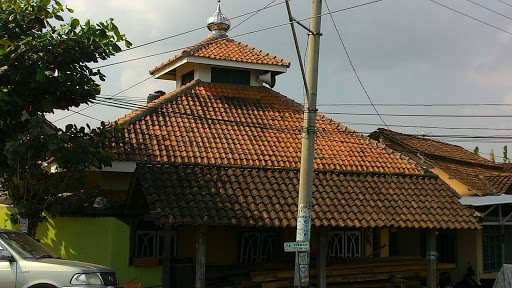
(25, 246)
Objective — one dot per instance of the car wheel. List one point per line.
(43, 286)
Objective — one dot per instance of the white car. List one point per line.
(25, 263)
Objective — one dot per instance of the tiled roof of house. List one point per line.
(216, 124)
(482, 176)
(214, 195)
(432, 147)
(223, 48)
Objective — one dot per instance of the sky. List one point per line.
(435, 68)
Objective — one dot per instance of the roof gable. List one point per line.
(216, 124)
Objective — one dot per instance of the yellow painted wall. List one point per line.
(103, 241)
(455, 184)
(5, 211)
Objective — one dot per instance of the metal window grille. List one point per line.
(256, 247)
(150, 243)
(345, 244)
(337, 244)
(353, 242)
(145, 244)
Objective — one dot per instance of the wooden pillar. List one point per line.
(321, 274)
(431, 258)
(167, 259)
(201, 257)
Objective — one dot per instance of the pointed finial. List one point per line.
(219, 24)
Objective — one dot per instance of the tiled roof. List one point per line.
(433, 147)
(214, 195)
(482, 176)
(217, 124)
(223, 48)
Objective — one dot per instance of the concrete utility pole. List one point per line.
(308, 146)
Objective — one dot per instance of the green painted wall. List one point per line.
(103, 241)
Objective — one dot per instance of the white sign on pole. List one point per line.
(24, 225)
(296, 246)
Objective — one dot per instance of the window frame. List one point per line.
(230, 76)
(256, 246)
(345, 244)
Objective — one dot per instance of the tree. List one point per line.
(44, 66)
(505, 155)
(476, 151)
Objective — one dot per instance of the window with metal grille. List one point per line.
(150, 244)
(344, 244)
(256, 246)
(231, 76)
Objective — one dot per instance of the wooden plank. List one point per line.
(276, 284)
(265, 276)
(358, 278)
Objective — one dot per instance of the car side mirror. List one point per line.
(6, 256)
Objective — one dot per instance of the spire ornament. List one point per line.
(218, 23)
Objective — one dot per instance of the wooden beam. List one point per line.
(201, 257)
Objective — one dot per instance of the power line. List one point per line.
(236, 36)
(427, 127)
(505, 3)
(421, 115)
(352, 65)
(471, 17)
(488, 9)
(94, 104)
(415, 104)
(251, 13)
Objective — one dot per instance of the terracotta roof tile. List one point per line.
(191, 200)
(223, 48)
(481, 175)
(215, 124)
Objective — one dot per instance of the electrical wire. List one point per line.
(94, 104)
(471, 17)
(488, 9)
(255, 13)
(420, 115)
(236, 36)
(352, 65)
(251, 13)
(505, 3)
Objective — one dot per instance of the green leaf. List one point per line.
(40, 76)
(58, 17)
(6, 42)
(70, 10)
(127, 43)
(74, 23)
